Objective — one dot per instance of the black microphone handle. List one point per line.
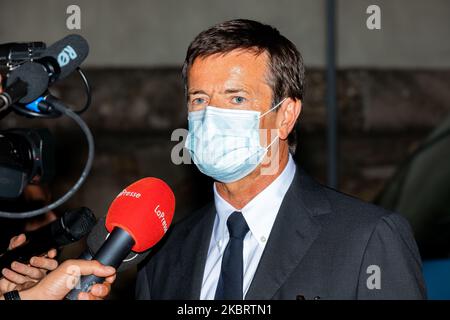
(111, 253)
(38, 242)
(23, 254)
(71, 227)
(86, 255)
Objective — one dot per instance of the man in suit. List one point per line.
(271, 232)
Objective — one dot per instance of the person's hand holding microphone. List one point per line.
(23, 276)
(57, 284)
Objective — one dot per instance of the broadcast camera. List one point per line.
(28, 155)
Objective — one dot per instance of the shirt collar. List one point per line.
(260, 212)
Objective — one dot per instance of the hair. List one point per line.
(286, 71)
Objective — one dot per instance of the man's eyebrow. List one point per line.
(235, 90)
(196, 92)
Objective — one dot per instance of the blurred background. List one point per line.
(375, 121)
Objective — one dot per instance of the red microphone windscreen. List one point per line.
(145, 210)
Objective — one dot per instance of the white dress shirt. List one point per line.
(260, 214)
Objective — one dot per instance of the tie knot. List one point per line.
(237, 226)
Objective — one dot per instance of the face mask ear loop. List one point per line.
(278, 104)
(273, 141)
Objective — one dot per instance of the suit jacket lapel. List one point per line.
(194, 252)
(294, 230)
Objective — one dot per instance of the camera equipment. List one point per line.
(28, 154)
(30, 80)
(15, 53)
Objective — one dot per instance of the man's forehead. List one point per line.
(242, 56)
(234, 66)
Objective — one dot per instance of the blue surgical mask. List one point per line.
(225, 143)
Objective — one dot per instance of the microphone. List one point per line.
(137, 219)
(25, 84)
(30, 80)
(64, 56)
(98, 236)
(71, 227)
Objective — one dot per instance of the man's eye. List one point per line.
(198, 101)
(238, 100)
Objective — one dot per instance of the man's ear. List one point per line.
(287, 116)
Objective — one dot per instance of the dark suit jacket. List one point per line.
(322, 245)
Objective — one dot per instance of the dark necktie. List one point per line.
(230, 282)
